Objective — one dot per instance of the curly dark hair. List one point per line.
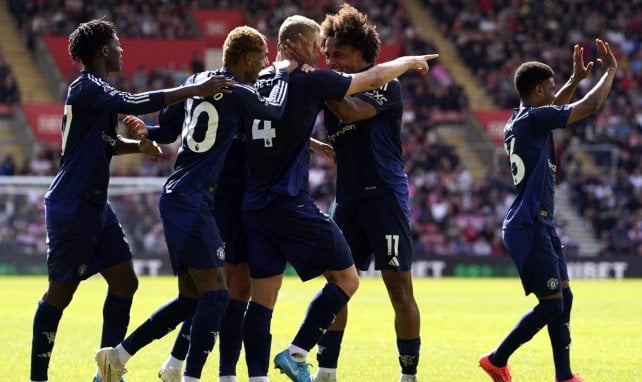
(530, 74)
(86, 40)
(351, 27)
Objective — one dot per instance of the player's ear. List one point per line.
(104, 51)
(247, 59)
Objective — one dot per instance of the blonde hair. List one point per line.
(241, 41)
(296, 24)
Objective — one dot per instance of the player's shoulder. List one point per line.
(204, 75)
(86, 85)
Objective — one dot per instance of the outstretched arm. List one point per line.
(133, 146)
(209, 87)
(383, 73)
(580, 72)
(596, 96)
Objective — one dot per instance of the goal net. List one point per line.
(23, 247)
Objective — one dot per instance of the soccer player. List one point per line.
(227, 211)
(83, 233)
(208, 126)
(529, 231)
(281, 220)
(372, 187)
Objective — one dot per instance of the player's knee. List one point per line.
(349, 285)
(551, 308)
(126, 288)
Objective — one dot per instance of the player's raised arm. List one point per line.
(580, 72)
(592, 101)
(383, 73)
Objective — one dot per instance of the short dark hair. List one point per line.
(87, 40)
(530, 74)
(351, 27)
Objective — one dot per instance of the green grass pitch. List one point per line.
(461, 319)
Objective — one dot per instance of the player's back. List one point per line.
(208, 126)
(278, 150)
(529, 143)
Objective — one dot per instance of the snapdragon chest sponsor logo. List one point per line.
(343, 130)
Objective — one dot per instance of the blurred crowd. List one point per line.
(493, 37)
(452, 213)
(9, 94)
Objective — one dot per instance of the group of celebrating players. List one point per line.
(237, 207)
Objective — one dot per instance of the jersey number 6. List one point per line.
(517, 167)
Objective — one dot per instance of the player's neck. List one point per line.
(97, 70)
(237, 72)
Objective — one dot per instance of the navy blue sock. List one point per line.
(231, 339)
(560, 335)
(45, 326)
(409, 355)
(257, 339)
(161, 322)
(206, 325)
(328, 349)
(321, 312)
(543, 313)
(115, 319)
(181, 345)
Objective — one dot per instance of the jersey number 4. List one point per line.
(517, 167)
(266, 132)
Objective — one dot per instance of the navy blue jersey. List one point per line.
(231, 183)
(208, 126)
(529, 143)
(89, 135)
(369, 153)
(278, 150)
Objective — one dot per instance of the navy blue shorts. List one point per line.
(537, 252)
(231, 229)
(84, 238)
(376, 227)
(292, 229)
(191, 233)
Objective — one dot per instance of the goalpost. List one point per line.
(23, 246)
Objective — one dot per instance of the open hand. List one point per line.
(580, 71)
(215, 85)
(606, 57)
(302, 50)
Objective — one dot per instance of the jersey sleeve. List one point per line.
(552, 117)
(257, 106)
(106, 98)
(386, 97)
(170, 124)
(328, 84)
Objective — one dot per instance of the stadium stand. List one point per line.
(455, 210)
(494, 36)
